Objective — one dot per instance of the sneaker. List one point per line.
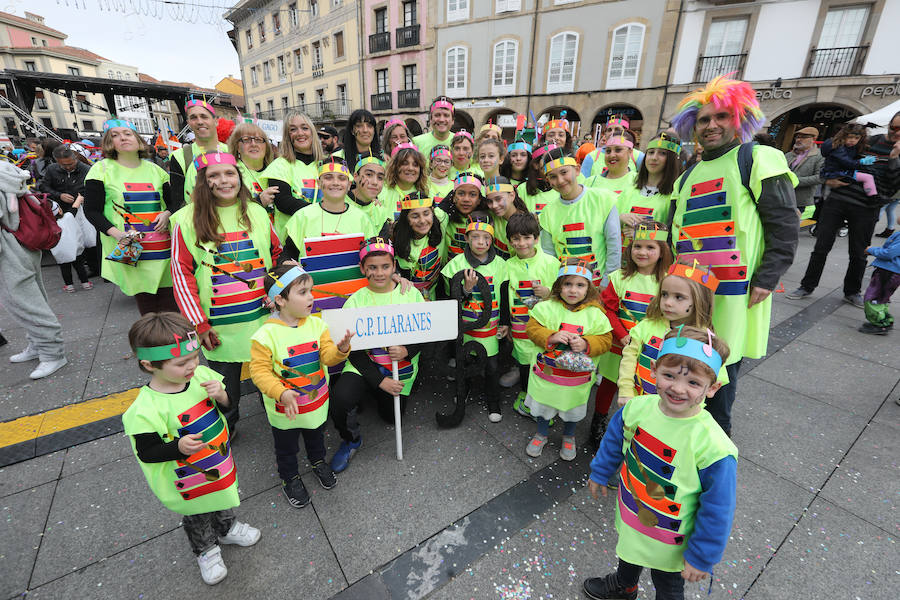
(854, 299)
(495, 417)
(87, 285)
(608, 587)
(3, 341)
(212, 567)
(295, 492)
(598, 428)
(241, 534)
(888, 232)
(510, 378)
(25, 355)
(69, 289)
(519, 405)
(536, 445)
(325, 475)
(798, 294)
(842, 232)
(873, 329)
(48, 367)
(344, 453)
(568, 451)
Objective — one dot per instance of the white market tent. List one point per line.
(880, 117)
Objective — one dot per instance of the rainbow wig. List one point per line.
(738, 96)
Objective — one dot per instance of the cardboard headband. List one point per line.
(466, 178)
(214, 158)
(542, 150)
(703, 277)
(619, 140)
(480, 226)
(691, 348)
(579, 270)
(655, 233)
(491, 127)
(110, 123)
(180, 347)
(201, 103)
(334, 167)
(465, 134)
(403, 146)
(375, 245)
(617, 122)
(416, 200)
(393, 122)
(520, 145)
(565, 161)
(441, 151)
(281, 283)
(499, 187)
(666, 143)
(368, 160)
(441, 104)
(555, 124)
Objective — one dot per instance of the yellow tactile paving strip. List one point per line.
(28, 428)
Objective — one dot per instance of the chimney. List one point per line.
(34, 17)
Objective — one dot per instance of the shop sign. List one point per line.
(774, 94)
(880, 91)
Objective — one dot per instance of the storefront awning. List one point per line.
(880, 117)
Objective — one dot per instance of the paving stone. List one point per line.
(96, 453)
(840, 334)
(111, 378)
(113, 349)
(21, 528)
(30, 473)
(40, 395)
(889, 413)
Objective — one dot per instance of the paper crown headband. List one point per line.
(580, 269)
(110, 123)
(560, 123)
(394, 121)
(647, 231)
(403, 146)
(666, 143)
(704, 277)
(465, 134)
(375, 244)
(466, 178)
(617, 122)
(691, 348)
(490, 127)
(559, 162)
(416, 200)
(619, 140)
(542, 150)
(214, 158)
(368, 160)
(180, 347)
(334, 166)
(441, 150)
(480, 226)
(201, 103)
(495, 185)
(441, 104)
(519, 145)
(281, 283)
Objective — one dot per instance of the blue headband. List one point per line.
(281, 283)
(682, 346)
(520, 145)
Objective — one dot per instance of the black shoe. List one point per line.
(873, 329)
(325, 474)
(598, 428)
(295, 492)
(606, 588)
(3, 341)
(886, 233)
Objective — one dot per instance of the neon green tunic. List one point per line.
(634, 293)
(472, 168)
(424, 265)
(617, 186)
(190, 173)
(406, 369)
(314, 221)
(139, 192)
(659, 481)
(577, 229)
(495, 273)
(536, 202)
(298, 349)
(180, 488)
(439, 192)
(524, 275)
(391, 196)
(426, 141)
(554, 385)
(501, 240)
(304, 181)
(235, 310)
(654, 207)
(377, 211)
(716, 222)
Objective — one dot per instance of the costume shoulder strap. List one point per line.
(745, 165)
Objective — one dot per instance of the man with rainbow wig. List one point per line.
(745, 231)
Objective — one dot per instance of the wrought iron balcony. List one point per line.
(380, 42)
(382, 101)
(407, 36)
(713, 66)
(317, 110)
(836, 62)
(408, 99)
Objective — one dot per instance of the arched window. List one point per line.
(625, 56)
(456, 64)
(503, 80)
(563, 55)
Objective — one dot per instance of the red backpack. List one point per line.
(37, 225)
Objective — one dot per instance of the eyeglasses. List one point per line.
(252, 140)
(440, 161)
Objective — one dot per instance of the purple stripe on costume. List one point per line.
(662, 521)
(710, 243)
(661, 535)
(207, 463)
(186, 483)
(321, 304)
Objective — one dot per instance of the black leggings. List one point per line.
(669, 586)
(346, 395)
(287, 444)
(66, 270)
(231, 371)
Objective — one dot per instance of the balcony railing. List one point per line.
(318, 70)
(407, 36)
(836, 62)
(713, 66)
(408, 99)
(382, 101)
(380, 42)
(320, 110)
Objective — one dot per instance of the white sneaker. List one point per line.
(48, 367)
(495, 417)
(25, 355)
(241, 534)
(510, 378)
(212, 567)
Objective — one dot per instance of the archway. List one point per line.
(463, 120)
(506, 119)
(555, 112)
(632, 114)
(826, 117)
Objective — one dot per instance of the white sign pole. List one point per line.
(398, 434)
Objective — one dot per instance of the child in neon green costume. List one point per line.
(617, 176)
(181, 440)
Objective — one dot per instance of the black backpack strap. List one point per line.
(684, 176)
(745, 165)
(188, 154)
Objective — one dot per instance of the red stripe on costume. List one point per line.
(574, 227)
(139, 187)
(661, 450)
(707, 187)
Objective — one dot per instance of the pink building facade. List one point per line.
(395, 39)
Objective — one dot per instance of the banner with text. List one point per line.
(394, 325)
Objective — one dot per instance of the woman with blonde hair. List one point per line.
(248, 143)
(299, 155)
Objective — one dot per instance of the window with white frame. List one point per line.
(504, 72)
(249, 37)
(267, 71)
(625, 56)
(293, 15)
(410, 77)
(726, 37)
(563, 55)
(382, 83)
(298, 59)
(455, 63)
(508, 5)
(457, 10)
(276, 23)
(254, 76)
(282, 69)
(843, 27)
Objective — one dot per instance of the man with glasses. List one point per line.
(331, 143)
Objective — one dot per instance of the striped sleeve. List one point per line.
(187, 294)
(275, 243)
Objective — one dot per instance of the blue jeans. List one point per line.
(888, 210)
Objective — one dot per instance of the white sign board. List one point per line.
(271, 128)
(506, 121)
(394, 325)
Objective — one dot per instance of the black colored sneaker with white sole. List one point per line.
(608, 588)
(324, 474)
(295, 492)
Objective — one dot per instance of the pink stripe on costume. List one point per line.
(672, 538)
(223, 289)
(196, 479)
(564, 381)
(725, 257)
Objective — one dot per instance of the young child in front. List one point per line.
(181, 439)
(368, 373)
(678, 474)
(531, 274)
(289, 355)
(480, 256)
(631, 289)
(842, 157)
(571, 321)
(884, 282)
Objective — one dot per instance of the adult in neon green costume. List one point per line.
(441, 120)
(746, 234)
(201, 118)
